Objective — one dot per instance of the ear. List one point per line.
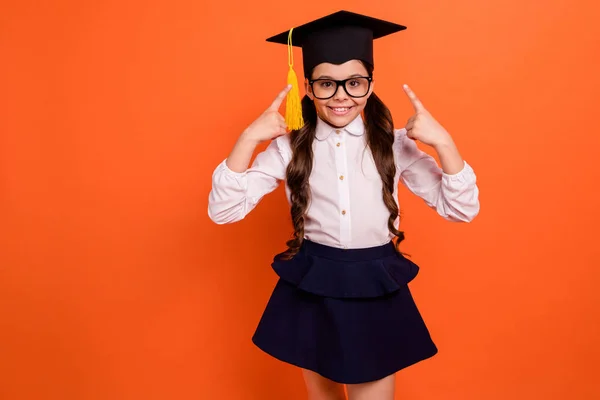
(308, 90)
(372, 88)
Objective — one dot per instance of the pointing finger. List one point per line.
(279, 99)
(414, 99)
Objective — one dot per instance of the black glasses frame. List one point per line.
(341, 83)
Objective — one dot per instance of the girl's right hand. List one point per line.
(271, 123)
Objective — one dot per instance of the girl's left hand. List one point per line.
(422, 126)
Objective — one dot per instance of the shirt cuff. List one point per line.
(223, 166)
(466, 174)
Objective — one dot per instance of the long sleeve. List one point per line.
(235, 194)
(454, 197)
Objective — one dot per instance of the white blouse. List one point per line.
(346, 208)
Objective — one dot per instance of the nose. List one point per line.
(340, 93)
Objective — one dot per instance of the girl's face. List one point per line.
(340, 109)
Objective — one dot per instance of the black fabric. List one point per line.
(340, 273)
(337, 38)
(367, 331)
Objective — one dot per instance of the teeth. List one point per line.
(340, 109)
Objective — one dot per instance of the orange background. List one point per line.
(114, 284)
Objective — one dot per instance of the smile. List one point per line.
(340, 110)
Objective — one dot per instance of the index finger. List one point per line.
(414, 99)
(279, 99)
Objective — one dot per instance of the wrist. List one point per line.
(248, 139)
(444, 143)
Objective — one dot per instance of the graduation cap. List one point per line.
(336, 39)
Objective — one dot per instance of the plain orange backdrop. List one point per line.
(114, 283)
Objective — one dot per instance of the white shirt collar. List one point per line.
(356, 128)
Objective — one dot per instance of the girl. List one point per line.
(341, 309)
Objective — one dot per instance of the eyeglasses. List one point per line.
(357, 86)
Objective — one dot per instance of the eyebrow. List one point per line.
(329, 77)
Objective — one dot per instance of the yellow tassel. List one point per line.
(293, 106)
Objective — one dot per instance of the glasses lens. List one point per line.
(357, 87)
(324, 88)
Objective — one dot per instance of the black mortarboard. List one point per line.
(336, 39)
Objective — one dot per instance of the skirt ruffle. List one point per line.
(339, 273)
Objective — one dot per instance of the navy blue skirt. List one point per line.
(347, 315)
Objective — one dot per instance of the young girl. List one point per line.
(341, 309)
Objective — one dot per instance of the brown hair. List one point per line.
(380, 138)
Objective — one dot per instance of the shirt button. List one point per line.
(341, 177)
(338, 131)
(343, 212)
(338, 144)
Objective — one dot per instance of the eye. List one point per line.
(354, 83)
(325, 84)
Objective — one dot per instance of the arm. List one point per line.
(451, 189)
(234, 194)
(452, 162)
(236, 190)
